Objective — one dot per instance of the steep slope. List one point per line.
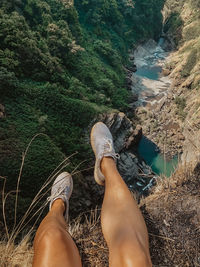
(173, 122)
(32, 105)
(61, 64)
(182, 25)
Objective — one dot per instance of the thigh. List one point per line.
(56, 248)
(128, 254)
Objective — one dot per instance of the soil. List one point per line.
(172, 215)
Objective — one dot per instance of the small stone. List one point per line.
(88, 203)
(2, 108)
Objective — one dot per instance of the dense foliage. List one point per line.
(60, 64)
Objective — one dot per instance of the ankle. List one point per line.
(58, 204)
(106, 163)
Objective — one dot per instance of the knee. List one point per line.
(132, 254)
(54, 233)
(50, 234)
(137, 259)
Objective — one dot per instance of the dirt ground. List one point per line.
(172, 215)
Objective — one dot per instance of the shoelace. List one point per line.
(60, 191)
(108, 147)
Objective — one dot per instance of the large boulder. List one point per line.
(134, 138)
(121, 128)
(126, 138)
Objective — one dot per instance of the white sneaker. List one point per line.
(62, 188)
(102, 145)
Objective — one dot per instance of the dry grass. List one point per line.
(171, 211)
(172, 214)
(85, 230)
(16, 256)
(21, 254)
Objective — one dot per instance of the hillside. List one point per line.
(173, 123)
(61, 64)
(172, 216)
(182, 26)
(64, 65)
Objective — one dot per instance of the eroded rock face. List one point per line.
(121, 128)
(128, 165)
(126, 138)
(138, 176)
(134, 138)
(191, 145)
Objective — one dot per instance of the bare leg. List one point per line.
(122, 222)
(53, 246)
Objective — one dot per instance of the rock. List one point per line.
(165, 72)
(131, 57)
(135, 137)
(161, 105)
(191, 146)
(127, 166)
(133, 98)
(172, 134)
(121, 128)
(181, 137)
(128, 81)
(132, 68)
(168, 43)
(88, 203)
(125, 139)
(188, 83)
(2, 111)
(2, 108)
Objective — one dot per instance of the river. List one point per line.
(151, 87)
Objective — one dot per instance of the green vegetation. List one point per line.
(61, 65)
(192, 32)
(174, 26)
(190, 63)
(181, 104)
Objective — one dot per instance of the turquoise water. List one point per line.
(147, 149)
(149, 152)
(152, 73)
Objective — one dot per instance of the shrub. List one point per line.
(181, 104)
(8, 82)
(192, 32)
(190, 63)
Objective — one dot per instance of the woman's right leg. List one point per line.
(123, 225)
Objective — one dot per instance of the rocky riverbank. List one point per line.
(164, 115)
(158, 105)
